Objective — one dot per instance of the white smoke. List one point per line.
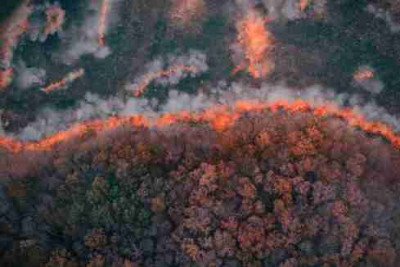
(38, 28)
(193, 59)
(29, 76)
(376, 113)
(10, 33)
(51, 121)
(384, 15)
(365, 78)
(282, 9)
(315, 95)
(374, 86)
(92, 106)
(82, 39)
(2, 132)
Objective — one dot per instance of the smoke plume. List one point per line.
(83, 39)
(29, 76)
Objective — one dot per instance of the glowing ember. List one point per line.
(54, 19)
(256, 42)
(364, 73)
(6, 77)
(9, 35)
(303, 5)
(102, 22)
(220, 118)
(12, 30)
(148, 78)
(72, 76)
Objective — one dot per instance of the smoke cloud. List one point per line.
(50, 121)
(82, 39)
(11, 31)
(170, 70)
(386, 16)
(365, 78)
(46, 20)
(29, 76)
(92, 106)
(283, 9)
(2, 132)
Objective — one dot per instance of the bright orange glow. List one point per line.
(303, 5)
(363, 74)
(72, 76)
(256, 42)
(54, 19)
(138, 89)
(102, 22)
(6, 77)
(12, 30)
(220, 118)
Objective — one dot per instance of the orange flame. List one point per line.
(102, 22)
(220, 118)
(72, 76)
(54, 19)
(12, 30)
(148, 78)
(256, 41)
(303, 5)
(363, 74)
(6, 77)
(9, 35)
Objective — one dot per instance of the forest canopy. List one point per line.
(272, 189)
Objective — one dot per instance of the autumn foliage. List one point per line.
(282, 188)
